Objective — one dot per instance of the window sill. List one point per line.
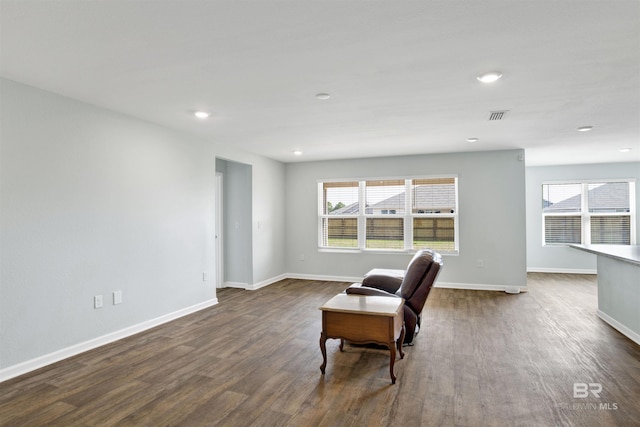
(380, 251)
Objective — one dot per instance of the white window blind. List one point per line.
(562, 198)
(611, 230)
(562, 229)
(436, 195)
(340, 198)
(385, 197)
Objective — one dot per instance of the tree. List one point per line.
(331, 208)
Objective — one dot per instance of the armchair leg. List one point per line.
(418, 323)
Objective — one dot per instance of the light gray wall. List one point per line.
(94, 202)
(560, 258)
(269, 225)
(492, 216)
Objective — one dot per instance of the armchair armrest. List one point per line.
(388, 280)
(356, 289)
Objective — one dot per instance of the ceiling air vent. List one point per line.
(497, 115)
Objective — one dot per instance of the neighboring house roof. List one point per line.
(613, 196)
(346, 210)
(436, 196)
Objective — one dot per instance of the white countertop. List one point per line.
(627, 253)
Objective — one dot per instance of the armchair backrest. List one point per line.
(421, 274)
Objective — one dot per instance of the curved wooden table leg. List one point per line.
(400, 342)
(392, 349)
(341, 344)
(323, 349)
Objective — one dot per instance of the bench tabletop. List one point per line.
(364, 304)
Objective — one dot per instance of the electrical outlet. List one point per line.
(117, 297)
(480, 263)
(301, 257)
(97, 301)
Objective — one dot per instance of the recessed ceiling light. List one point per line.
(323, 96)
(472, 139)
(625, 150)
(201, 114)
(297, 153)
(584, 128)
(490, 77)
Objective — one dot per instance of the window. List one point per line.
(339, 217)
(384, 213)
(389, 214)
(589, 213)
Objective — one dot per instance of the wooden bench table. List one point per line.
(363, 320)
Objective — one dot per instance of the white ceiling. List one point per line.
(401, 74)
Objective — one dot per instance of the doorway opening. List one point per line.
(233, 225)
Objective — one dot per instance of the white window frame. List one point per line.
(584, 213)
(408, 216)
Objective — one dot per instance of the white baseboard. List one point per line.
(56, 356)
(353, 279)
(450, 285)
(633, 336)
(512, 289)
(323, 278)
(239, 285)
(561, 270)
(266, 282)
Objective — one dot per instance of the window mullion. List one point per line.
(321, 237)
(586, 215)
(408, 215)
(362, 221)
(632, 212)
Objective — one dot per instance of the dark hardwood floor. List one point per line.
(481, 359)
